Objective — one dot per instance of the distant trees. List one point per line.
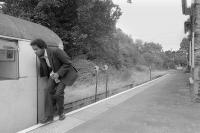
(129, 1)
(152, 53)
(128, 53)
(184, 45)
(181, 58)
(175, 58)
(139, 52)
(184, 51)
(149, 53)
(169, 59)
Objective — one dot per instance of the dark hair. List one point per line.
(40, 43)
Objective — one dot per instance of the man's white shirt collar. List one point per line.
(46, 58)
(45, 53)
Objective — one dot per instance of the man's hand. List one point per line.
(54, 76)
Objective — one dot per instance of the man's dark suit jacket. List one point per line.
(61, 64)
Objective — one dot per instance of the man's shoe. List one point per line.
(62, 117)
(47, 120)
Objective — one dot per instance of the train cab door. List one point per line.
(41, 83)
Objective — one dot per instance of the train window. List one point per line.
(7, 55)
(9, 62)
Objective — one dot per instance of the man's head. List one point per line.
(38, 46)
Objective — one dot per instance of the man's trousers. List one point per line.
(54, 97)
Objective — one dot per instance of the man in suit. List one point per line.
(56, 65)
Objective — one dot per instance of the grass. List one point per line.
(86, 84)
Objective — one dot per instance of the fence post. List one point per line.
(96, 68)
(150, 71)
(105, 68)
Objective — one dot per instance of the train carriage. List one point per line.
(22, 89)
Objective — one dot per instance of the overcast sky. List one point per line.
(159, 21)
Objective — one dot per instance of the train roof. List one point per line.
(18, 28)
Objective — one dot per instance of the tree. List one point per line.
(180, 58)
(152, 53)
(129, 1)
(152, 47)
(128, 50)
(98, 20)
(169, 59)
(149, 58)
(184, 45)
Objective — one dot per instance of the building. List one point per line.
(192, 29)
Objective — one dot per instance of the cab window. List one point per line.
(9, 67)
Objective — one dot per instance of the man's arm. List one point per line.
(66, 63)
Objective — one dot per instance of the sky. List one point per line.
(158, 21)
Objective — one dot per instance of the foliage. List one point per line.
(129, 1)
(169, 59)
(180, 58)
(175, 58)
(184, 45)
(152, 53)
(128, 49)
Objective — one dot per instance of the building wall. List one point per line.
(196, 38)
(194, 44)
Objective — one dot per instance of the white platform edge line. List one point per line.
(85, 107)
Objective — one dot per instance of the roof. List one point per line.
(19, 28)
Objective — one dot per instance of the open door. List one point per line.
(41, 83)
